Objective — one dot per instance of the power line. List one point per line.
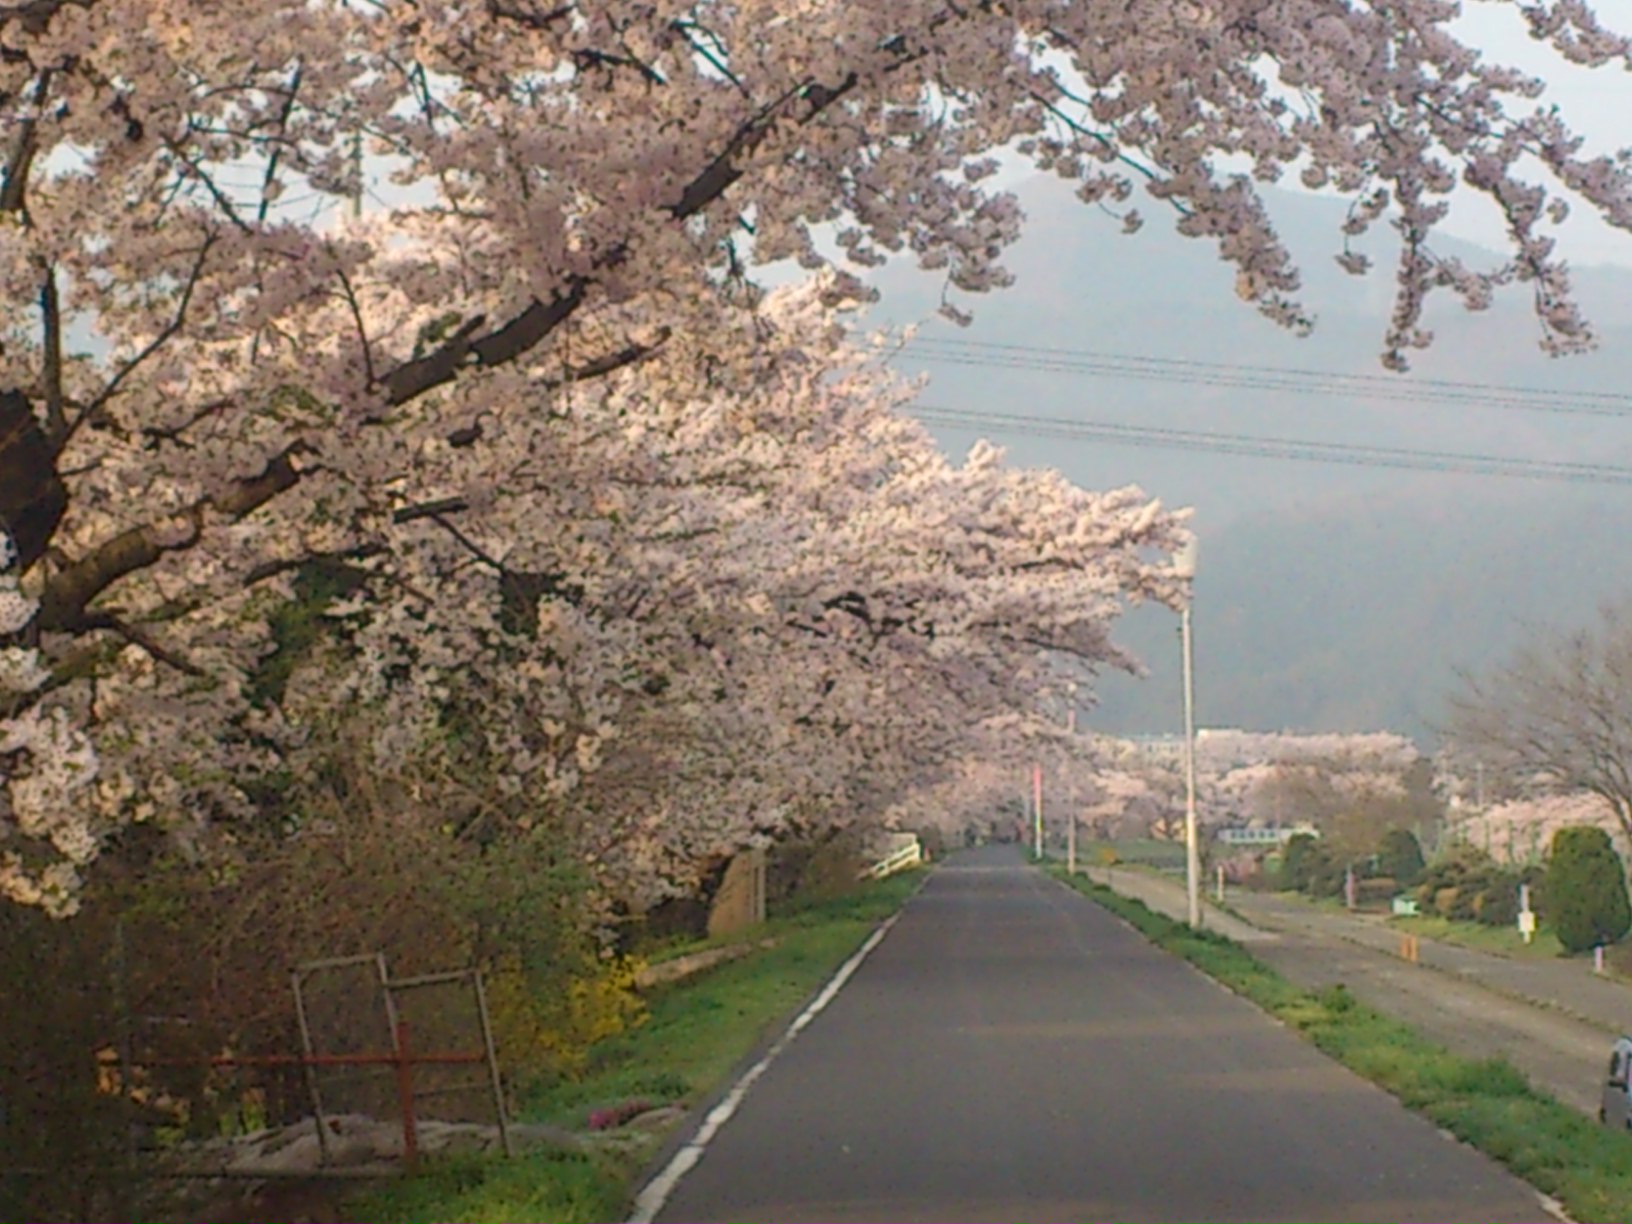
(1277, 448)
(1268, 378)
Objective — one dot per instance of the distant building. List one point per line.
(1159, 749)
(1270, 835)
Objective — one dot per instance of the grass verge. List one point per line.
(697, 1032)
(1500, 941)
(1486, 1103)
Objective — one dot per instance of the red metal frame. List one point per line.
(401, 1058)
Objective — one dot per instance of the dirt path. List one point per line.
(1560, 1052)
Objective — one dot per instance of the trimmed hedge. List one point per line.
(1586, 889)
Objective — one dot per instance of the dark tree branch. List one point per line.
(20, 158)
(33, 498)
(533, 19)
(65, 599)
(140, 637)
(357, 318)
(226, 206)
(446, 505)
(56, 420)
(177, 321)
(271, 569)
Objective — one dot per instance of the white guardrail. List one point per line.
(899, 860)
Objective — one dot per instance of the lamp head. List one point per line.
(1184, 561)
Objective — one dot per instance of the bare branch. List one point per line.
(222, 202)
(357, 318)
(711, 50)
(277, 149)
(159, 341)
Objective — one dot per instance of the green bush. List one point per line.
(1498, 904)
(1400, 857)
(1299, 861)
(1586, 889)
(1326, 878)
(1467, 885)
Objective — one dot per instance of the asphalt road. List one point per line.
(1011, 1052)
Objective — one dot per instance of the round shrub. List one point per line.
(1498, 902)
(1299, 861)
(1586, 889)
(1400, 856)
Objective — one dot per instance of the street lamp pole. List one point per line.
(1071, 789)
(1184, 564)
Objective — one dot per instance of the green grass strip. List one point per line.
(1487, 1103)
(1500, 940)
(697, 1033)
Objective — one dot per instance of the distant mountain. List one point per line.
(1330, 597)
(1358, 616)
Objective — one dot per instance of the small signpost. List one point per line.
(1527, 916)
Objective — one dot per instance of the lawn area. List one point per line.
(697, 1032)
(1136, 851)
(1501, 941)
(1488, 1104)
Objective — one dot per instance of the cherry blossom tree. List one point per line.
(743, 631)
(1520, 830)
(223, 381)
(1551, 720)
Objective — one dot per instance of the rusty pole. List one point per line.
(405, 1096)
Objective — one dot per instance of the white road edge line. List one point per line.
(656, 1192)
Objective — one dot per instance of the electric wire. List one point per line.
(1257, 446)
(1241, 376)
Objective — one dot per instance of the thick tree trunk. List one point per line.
(32, 496)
